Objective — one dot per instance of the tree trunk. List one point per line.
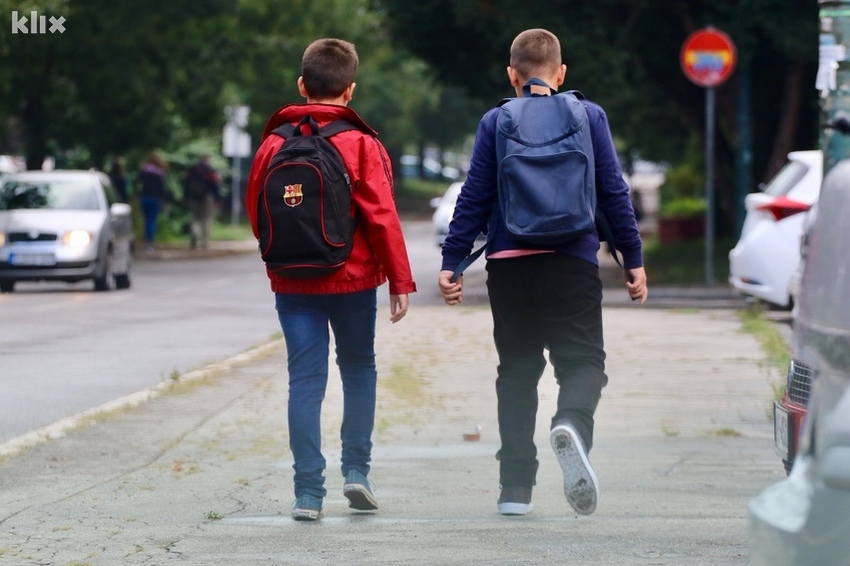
(36, 132)
(788, 118)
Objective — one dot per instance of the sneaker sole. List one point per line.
(514, 509)
(580, 484)
(306, 515)
(359, 497)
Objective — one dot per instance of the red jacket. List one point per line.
(379, 253)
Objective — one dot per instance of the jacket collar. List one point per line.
(320, 112)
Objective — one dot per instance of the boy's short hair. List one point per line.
(328, 67)
(535, 52)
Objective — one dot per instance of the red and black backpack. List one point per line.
(305, 217)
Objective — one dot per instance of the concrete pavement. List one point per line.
(198, 471)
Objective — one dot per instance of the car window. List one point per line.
(109, 191)
(59, 195)
(786, 179)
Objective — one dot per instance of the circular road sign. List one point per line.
(708, 57)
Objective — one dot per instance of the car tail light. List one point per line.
(783, 207)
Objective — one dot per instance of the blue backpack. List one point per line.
(546, 177)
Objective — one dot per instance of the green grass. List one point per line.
(221, 231)
(776, 350)
(229, 232)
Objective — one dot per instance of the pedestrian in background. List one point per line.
(344, 300)
(201, 194)
(543, 297)
(153, 193)
(118, 176)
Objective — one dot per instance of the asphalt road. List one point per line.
(65, 349)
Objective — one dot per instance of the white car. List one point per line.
(64, 226)
(764, 260)
(444, 210)
(805, 518)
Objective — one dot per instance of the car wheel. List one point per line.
(106, 279)
(124, 280)
(7, 286)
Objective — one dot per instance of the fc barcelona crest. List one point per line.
(292, 195)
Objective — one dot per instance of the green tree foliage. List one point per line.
(624, 54)
(127, 77)
(118, 76)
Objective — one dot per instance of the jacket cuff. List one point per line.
(402, 287)
(632, 258)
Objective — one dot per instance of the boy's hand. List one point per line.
(398, 307)
(636, 284)
(452, 292)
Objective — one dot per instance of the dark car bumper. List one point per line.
(63, 271)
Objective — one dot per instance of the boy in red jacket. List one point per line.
(345, 300)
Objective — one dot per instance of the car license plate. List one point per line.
(32, 259)
(781, 431)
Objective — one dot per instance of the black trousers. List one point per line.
(544, 302)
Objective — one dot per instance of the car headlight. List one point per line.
(77, 238)
(2, 239)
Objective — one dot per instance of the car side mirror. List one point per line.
(120, 209)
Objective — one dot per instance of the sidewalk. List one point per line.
(200, 473)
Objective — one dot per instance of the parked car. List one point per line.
(431, 168)
(64, 226)
(797, 277)
(805, 518)
(763, 261)
(444, 209)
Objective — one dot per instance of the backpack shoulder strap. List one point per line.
(285, 131)
(336, 127)
(330, 129)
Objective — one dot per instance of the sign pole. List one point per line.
(236, 144)
(709, 186)
(235, 192)
(707, 59)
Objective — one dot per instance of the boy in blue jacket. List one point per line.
(544, 297)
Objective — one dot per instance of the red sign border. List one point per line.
(725, 74)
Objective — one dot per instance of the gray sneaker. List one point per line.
(580, 484)
(358, 490)
(307, 508)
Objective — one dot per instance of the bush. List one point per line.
(683, 208)
(683, 181)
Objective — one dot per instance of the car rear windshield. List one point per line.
(68, 194)
(786, 179)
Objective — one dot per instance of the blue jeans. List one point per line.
(150, 210)
(306, 320)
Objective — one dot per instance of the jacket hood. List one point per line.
(321, 113)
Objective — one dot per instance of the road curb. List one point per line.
(61, 427)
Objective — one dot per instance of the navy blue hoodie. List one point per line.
(478, 196)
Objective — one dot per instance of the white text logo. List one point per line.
(37, 24)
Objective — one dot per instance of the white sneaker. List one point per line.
(580, 484)
(515, 500)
